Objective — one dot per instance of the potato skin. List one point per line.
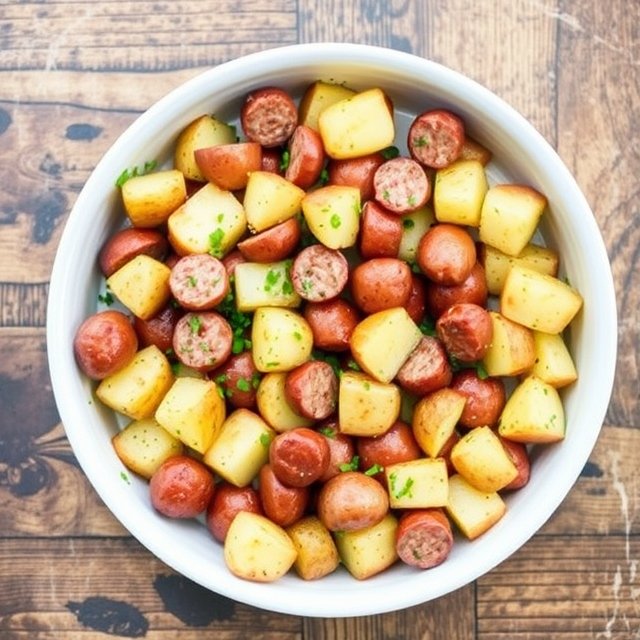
(181, 488)
(352, 501)
(104, 343)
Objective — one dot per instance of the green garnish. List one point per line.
(243, 384)
(390, 153)
(420, 142)
(335, 221)
(408, 223)
(329, 432)
(284, 160)
(195, 324)
(404, 491)
(372, 470)
(127, 174)
(107, 298)
(324, 177)
(215, 243)
(191, 281)
(352, 465)
(271, 279)
(265, 440)
(427, 327)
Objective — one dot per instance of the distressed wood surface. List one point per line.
(73, 76)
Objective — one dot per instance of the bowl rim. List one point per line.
(73, 416)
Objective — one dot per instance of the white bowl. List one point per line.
(521, 155)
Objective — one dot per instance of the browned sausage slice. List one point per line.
(424, 538)
(397, 444)
(440, 297)
(380, 232)
(319, 273)
(436, 138)
(312, 389)
(269, 116)
(231, 260)
(299, 457)
(332, 322)
(381, 283)
(281, 503)
(159, 329)
(273, 244)
(356, 172)
(239, 380)
(229, 500)
(466, 331)
(128, 243)
(401, 185)
(202, 341)
(426, 369)
(446, 254)
(416, 303)
(199, 282)
(341, 449)
(306, 157)
(485, 398)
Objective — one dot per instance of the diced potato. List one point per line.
(418, 484)
(473, 150)
(205, 131)
(414, 226)
(497, 264)
(142, 285)
(538, 301)
(143, 445)
(281, 339)
(332, 214)
(512, 349)
(459, 192)
(273, 405)
(317, 98)
(317, 552)
(137, 389)
(482, 461)
(262, 284)
(382, 342)
(257, 549)
(366, 407)
(269, 199)
(366, 552)
(510, 215)
(210, 221)
(357, 126)
(533, 413)
(241, 448)
(553, 364)
(193, 411)
(150, 199)
(435, 418)
(473, 511)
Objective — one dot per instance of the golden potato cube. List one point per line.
(382, 342)
(257, 549)
(143, 445)
(497, 264)
(459, 192)
(510, 215)
(435, 418)
(317, 98)
(553, 362)
(332, 214)
(193, 411)
(210, 221)
(473, 150)
(414, 226)
(538, 301)
(274, 406)
(281, 339)
(150, 199)
(241, 448)
(533, 413)
(205, 131)
(137, 389)
(269, 199)
(482, 461)
(264, 284)
(317, 552)
(366, 552)
(472, 510)
(418, 484)
(366, 407)
(357, 126)
(142, 285)
(512, 349)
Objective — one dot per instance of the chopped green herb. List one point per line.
(243, 384)
(168, 352)
(284, 160)
(125, 477)
(335, 221)
(353, 365)
(420, 142)
(287, 287)
(265, 440)
(307, 285)
(221, 379)
(255, 380)
(329, 432)
(324, 177)
(272, 364)
(386, 195)
(405, 490)
(367, 385)
(390, 153)
(427, 327)
(195, 324)
(297, 335)
(215, 243)
(411, 200)
(220, 217)
(239, 344)
(372, 470)
(192, 281)
(127, 174)
(106, 298)
(271, 279)
(415, 267)
(408, 223)
(352, 465)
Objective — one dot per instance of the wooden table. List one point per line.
(73, 75)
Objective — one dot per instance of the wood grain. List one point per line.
(73, 75)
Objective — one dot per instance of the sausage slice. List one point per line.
(436, 138)
(199, 282)
(312, 389)
(269, 116)
(319, 273)
(202, 341)
(424, 538)
(401, 185)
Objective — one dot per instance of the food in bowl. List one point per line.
(535, 501)
(313, 283)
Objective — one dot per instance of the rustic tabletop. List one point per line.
(73, 75)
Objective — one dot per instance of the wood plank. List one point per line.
(599, 76)
(557, 585)
(140, 36)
